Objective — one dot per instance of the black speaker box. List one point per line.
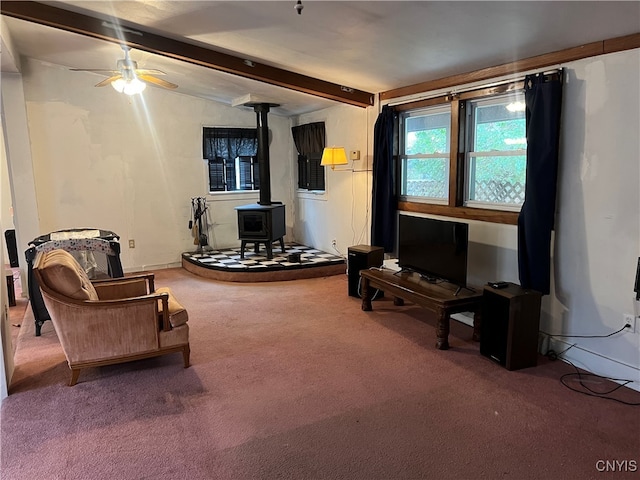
(362, 257)
(510, 326)
(12, 248)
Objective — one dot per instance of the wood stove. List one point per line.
(263, 222)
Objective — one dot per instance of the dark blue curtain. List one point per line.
(543, 98)
(309, 140)
(228, 143)
(384, 203)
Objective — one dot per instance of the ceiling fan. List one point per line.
(128, 78)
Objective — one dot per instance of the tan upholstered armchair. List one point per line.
(109, 321)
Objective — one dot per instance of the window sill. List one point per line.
(238, 195)
(501, 207)
(425, 200)
(312, 194)
(467, 213)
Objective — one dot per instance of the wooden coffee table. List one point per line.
(443, 298)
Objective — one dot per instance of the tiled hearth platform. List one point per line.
(226, 264)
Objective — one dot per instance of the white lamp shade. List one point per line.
(332, 156)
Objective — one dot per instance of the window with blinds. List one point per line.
(231, 155)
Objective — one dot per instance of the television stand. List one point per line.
(460, 288)
(441, 298)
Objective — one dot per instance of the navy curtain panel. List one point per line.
(543, 98)
(384, 203)
(309, 138)
(229, 143)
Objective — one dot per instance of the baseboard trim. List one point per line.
(146, 268)
(592, 362)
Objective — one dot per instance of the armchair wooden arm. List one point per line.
(124, 287)
(148, 275)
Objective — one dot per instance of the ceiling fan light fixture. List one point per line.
(132, 86)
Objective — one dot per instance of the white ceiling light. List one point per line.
(128, 87)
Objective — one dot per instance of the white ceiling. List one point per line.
(368, 45)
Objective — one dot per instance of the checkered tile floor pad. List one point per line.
(229, 259)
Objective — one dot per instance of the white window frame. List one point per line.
(403, 157)
(470, 155)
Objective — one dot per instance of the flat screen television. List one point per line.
(436, 249)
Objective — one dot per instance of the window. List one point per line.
(464, 155)
(497, 158)
(425, 153)
(309, 140)
(231, 155)
(247, 173)
(310, 172)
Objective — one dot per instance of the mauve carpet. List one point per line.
(291, 380)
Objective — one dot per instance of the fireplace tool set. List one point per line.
(199, 224)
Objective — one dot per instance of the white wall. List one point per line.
(6, 347)
(132, 164)
(6, 202)
(17, 143)
(9, 63)
(598, 221)
(343, 211)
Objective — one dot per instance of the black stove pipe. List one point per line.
(262, 109)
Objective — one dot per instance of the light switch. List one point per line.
(355, 154)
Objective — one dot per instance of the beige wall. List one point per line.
(132, 164)
(598, 221)
(342, 212)
(6, 348)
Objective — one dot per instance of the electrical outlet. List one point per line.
(132, 244)
(630, 320)
(334, 243)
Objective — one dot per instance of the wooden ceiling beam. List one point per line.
(125, 33)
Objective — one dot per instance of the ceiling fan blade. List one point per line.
(141, 71)
(96, 70)
(107, 81)
(157, 81)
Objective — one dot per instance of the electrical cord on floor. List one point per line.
(592, 393)
(552, 355)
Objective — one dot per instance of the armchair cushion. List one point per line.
(177, 314)
(62, 273)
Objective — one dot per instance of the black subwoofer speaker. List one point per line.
(12, 247)
(362, 257)
(510, 325)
